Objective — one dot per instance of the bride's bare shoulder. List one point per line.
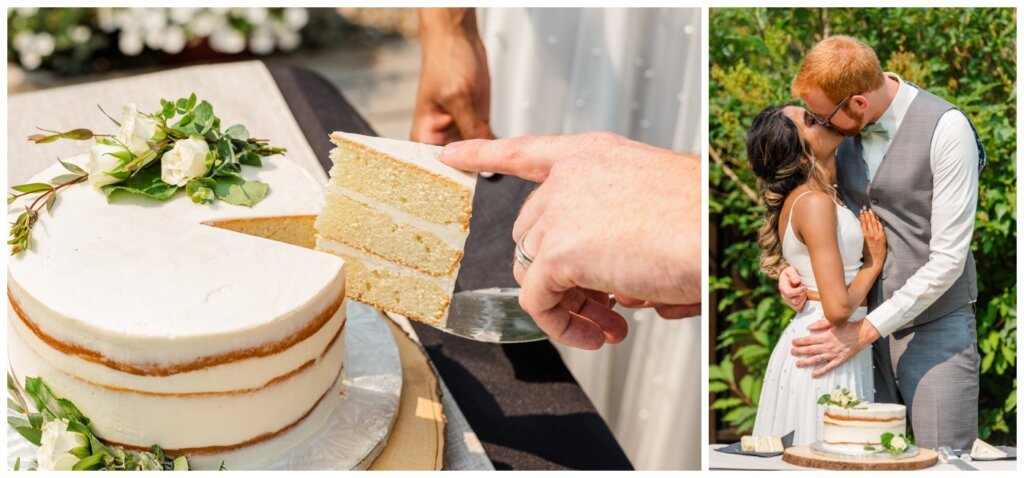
(811, 208)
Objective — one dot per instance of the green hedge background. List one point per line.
(967, 56)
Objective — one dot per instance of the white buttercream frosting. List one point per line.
(143, 281)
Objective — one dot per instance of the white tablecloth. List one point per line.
(728, 461)
(241, 92)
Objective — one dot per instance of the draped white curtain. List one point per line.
(635, 72)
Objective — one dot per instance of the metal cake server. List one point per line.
(491, 315)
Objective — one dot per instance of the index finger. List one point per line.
(528, 157)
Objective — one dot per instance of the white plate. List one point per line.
(362, 407)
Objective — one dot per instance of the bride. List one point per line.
(837, 255)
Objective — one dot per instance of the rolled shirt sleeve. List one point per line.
(954, 158)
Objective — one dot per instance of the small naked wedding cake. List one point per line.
(162, 328)
(851, 426)
(399, 217)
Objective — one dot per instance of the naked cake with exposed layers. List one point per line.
(172, 323)
(860, 428)
(399, 217)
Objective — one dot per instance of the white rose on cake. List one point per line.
(136, 130)
(101, 162)
(898, 443)
(836, 395)
(185, 161)
(55, 446)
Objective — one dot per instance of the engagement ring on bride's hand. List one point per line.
(522, 257)
(821, 359)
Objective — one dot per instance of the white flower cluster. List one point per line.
(56, 443)
(170, 29)
(898, 443)
(842, 397)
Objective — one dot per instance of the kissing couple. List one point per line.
(870, 194)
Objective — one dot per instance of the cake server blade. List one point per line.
(491, 315)
(946, 455)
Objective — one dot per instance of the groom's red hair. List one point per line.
(840, 66)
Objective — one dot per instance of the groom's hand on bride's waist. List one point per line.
(792, 290)
(829, 346)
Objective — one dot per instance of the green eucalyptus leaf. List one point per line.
(32, 187)
(191, 103)
(167, 109)
(201, 190)
(250, 159)
(146, 182)
(33, 435)
(91, 462)
(80, 134)
(64, 178)
(236, 190)
(237, 132)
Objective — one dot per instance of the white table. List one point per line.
(727, 461)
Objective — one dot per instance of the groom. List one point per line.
(914, 159)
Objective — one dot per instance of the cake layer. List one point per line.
(229, 378)
(145, 282)
(416, 183)
(384, 285)
(863, 425)
(360, 226)
(199, 424)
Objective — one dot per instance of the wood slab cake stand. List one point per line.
(804, 456)
(416, 441)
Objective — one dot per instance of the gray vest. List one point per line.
(901, 196)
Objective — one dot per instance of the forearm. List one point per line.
(441, 22)
(858, 289)
(954, 201)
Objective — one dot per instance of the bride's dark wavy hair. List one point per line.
(782, 161)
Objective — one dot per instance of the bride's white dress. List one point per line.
(789, 395)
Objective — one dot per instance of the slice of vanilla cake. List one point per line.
(400, 218)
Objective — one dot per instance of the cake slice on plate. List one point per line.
(400, 218)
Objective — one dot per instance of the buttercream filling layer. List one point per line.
(248, 374)
(123, 363)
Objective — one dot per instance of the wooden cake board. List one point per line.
(417, 438)
(804, 456)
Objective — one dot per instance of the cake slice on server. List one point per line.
(399, 217)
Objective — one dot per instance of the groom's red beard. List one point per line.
(856, 116)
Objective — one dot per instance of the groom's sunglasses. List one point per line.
(827, 122)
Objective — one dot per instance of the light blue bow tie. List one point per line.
(874, 129)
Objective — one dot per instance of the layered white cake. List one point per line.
(399, 217)
(165, 329)
(850, 430)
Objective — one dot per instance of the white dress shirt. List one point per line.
(954, 163)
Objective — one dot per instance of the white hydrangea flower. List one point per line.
(43, 44)
(174, 39)
(262, 41)
(130, 42)
(296, 18)
(227, 40)
(80, 34)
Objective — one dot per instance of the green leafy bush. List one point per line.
(967, 56)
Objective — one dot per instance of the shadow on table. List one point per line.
(557, 430)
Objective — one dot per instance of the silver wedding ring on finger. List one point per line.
(522, 257)
(821, 359)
